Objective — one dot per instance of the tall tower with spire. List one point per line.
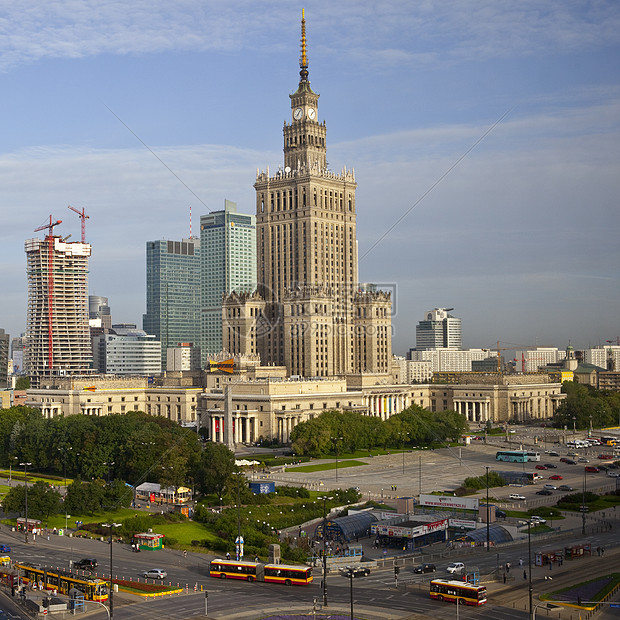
(312, 316)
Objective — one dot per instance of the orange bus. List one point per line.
(288, 575)
(459, 592)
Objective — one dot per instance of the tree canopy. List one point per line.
(333, 432)
(583, 401)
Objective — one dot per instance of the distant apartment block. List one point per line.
(57, 332)
(607, 357)
(172, 292)
(530, 360)
(449, 360)
(183, 357)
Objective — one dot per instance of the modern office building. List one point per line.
(98, 308)
(172, 292)
(57, 332)
(126, 350)
(4, 359)
(438, 330)
(228, 242)
(309, 312)
(607, 356)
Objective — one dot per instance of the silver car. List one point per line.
(155, 573)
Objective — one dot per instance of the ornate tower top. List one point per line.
(303, 59)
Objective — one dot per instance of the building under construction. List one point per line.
(57, 332)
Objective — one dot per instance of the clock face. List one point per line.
(311, 113)
(298, 113)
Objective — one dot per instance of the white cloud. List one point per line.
(390, 33)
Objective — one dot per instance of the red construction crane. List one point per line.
(50, 285)
(82, 215)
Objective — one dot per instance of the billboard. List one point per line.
(449, 502)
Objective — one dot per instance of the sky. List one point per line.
(484, 136)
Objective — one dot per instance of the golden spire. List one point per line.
(303, 60)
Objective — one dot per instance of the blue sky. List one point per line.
(519, 234)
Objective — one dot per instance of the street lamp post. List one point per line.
(583, 504)
(336, 440)
(529, 563)
(574, 425)
(488, 515)
(64, 469)
(111, 525)
(324, 498)
(24, 465)
(351, 590)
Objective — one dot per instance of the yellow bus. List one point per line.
(94, 589)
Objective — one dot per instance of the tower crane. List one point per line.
(82, 215)
(512, 348)
(50, 286)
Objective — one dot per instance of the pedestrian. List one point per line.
(504, 577)
(550, 564)
(524, 574)
(508, 567)
(602, 550)
(228, 555)
(521, 562)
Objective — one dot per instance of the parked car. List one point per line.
(456, 568)
(538, 520)
(516, 496)
(155, 573)
(544, 492)
(550, 487)
(564, 459)
(605, 457)
(592, 470)
(86, 563)
(500, 514)
(425, 568)
(555, 477)
(565, 487)
(583, 459)
(551, 466)
(553, 453)
(5, 549)
(570, 462)
(571, 454)
(613, 474)
(541, 467)
(537, 477)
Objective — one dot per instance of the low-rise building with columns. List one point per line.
(107, 395)
(481, 397)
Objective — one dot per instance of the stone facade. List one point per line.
(309, 313)
(118, 395)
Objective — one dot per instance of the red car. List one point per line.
(541, 467)
(592, 470)
(555, 477)
(605, 457)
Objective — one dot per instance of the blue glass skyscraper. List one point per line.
(173, 292)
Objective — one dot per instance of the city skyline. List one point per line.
(484, 141)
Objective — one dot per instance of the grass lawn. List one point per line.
(604, 502)
(592, 590)
(327, 466)
(184, 532)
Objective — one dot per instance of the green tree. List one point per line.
(216, 466)
(22, 383)
(85, 497)
(43, 501)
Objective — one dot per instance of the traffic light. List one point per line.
(396, 570)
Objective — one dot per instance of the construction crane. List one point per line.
(512, 348)
(50, 286)
(82, 215)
